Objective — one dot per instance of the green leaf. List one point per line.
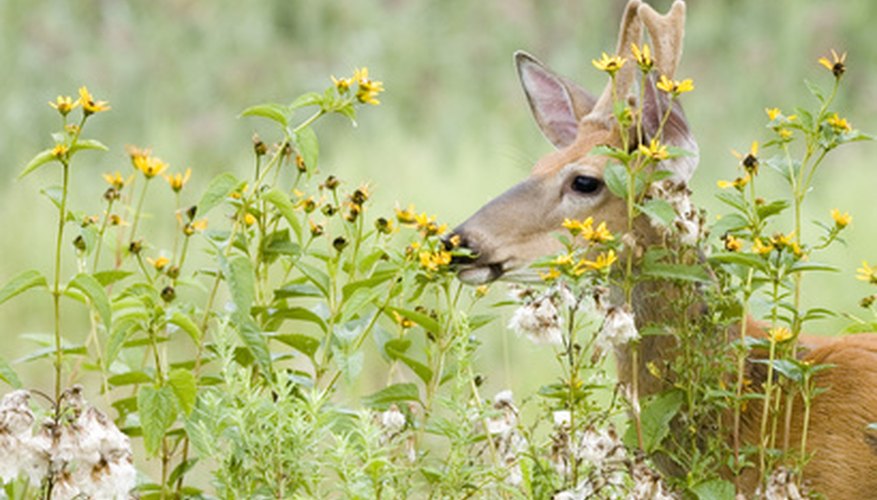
(185, 388)
(616, 178)
(92, 144)
(255, 341)
(360, 299)
(304, 344)
(728, 223)
(743, 259)
(371, 282)
(107, 278)
(277, 243)
(396, 349)
(187, 325)
(315, 276)
(91, 287)
(393, 394)
(130, 378)
(679, 272)
(656, 415)
(423, 320)
(8, 375)
(299, 313)
(21, 283)
(714, 489)
(308, 146)
(281, 201)
(802, 266)
(815, 90)
(241, 282)
(271, 111)
(43, 157)
(307, 99)
(659, 211)
(157, 407)
(217, 191)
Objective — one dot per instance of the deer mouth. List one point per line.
(481, 274)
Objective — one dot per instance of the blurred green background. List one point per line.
(453, 129)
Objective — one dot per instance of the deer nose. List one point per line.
(458, 240)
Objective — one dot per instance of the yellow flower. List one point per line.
(841, 220)
(249, 219)
(404, 322)
(779, 334)
(551, 275)
(643, 57)
(89, 105)
(772, 113)
(432, 261)
(732, 244)
(158, 263)
(406, 216)
(609, 64)
(603, 262)
(599, 235)
(563, 260)
(195, 226)
(749, 161)
(428, 226)
(115, 180)
(839, 124)
(178, 180)
(578, 226)
(368, 89)
(655, 150)
(738, 183)
(761, 248)
(781, 240)
(674, 87)
(116, 220)
(60, 150)
(837, 65)
(342, 84)
(64, 104)
(867, 273)
(151, 166)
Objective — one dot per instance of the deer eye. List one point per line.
(586, 184)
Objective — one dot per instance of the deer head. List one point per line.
(519, 225)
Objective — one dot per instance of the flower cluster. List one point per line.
(507, 440)
(84, 452)
(688, 224)
(90, 106)
(143, 161)
(367, 89)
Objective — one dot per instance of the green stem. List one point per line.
(56, 290)
(100, 235)
(139, 210)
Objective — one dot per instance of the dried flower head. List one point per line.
(618, 329)
(539, 320)
(837, 64)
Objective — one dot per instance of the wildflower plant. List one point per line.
(238, 346)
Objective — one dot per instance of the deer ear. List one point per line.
(557, 103)
(675, 133)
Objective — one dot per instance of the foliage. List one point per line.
(246, 364)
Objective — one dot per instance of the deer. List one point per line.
(519, 226)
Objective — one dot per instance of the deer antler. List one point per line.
(666, 32)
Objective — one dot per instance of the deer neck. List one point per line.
(654, 302)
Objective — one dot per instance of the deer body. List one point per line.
(518, 226)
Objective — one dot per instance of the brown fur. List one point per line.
(518, 226)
